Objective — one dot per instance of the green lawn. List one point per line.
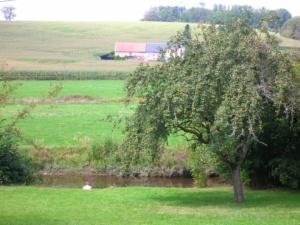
(157, 206)
(64, 125)
(94, 88)
(61, 124)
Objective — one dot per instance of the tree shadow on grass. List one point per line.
(204, 198)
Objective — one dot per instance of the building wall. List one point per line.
(174, 53)
(143, 56)
(151, 56)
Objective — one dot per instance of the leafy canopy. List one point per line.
(216, 94)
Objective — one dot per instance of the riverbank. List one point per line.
(140, 205)
(100, 180)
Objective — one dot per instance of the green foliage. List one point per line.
(291, 28)
(216, 94)
(14, 167)
(221, 14)
(145, 139)
(164, 13)
(104, 154)
(277, 163)
(187, 33)
(202, 163)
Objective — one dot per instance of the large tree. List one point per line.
(216, 94)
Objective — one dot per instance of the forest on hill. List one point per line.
(220, 14)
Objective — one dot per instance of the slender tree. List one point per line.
(9, 13)
(215, 94)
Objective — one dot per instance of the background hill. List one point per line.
(291, 28)
(75, 46)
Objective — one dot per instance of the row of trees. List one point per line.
(239, 104)
(220, 14)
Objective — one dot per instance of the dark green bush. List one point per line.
(14, 167)
(104, 154)
(278, 162)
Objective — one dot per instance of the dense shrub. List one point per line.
(14, 167)
(104, 154)
(278, 162)
(202, 163)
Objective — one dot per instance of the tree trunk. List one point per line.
(237, 184)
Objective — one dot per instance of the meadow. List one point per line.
(60, 132)
(83, 110)
(76, 46)
(42, 55)
(138, 205)
(93, 110)
(110, 89)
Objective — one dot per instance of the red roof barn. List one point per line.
(130, 47)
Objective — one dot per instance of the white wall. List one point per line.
(144, 56)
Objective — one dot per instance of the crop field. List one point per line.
(157, 206)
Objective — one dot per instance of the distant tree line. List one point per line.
(220, 14)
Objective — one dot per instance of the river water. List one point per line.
(104, 181)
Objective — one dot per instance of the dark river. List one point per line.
(104, 181)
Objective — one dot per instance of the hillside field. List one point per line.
(75, 46)
(70, 46)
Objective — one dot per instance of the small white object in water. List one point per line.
(87, 186)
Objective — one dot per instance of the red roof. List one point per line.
(130, 47)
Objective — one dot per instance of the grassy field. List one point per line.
(110, 89)
(82, 110)
(60, 125)
(75, 46)
(157, 206)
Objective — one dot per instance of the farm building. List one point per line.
(140, 51)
